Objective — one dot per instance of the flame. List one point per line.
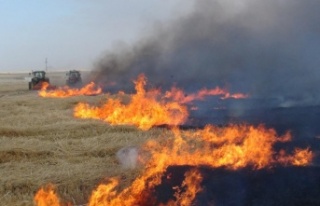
(47, 197)
(192, 182)
(180, 96)
(144, 109)
(300, 157)
(104, 193)
(65, 91)
(232, 147)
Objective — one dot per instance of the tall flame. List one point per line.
(104, 193)
(144, 109)
(65, 91)
(47, 196)
(192, 182)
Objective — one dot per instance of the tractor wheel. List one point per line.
(30, 85)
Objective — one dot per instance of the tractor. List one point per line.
(37, 79)
(73, 78)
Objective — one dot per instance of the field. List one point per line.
(41, 142)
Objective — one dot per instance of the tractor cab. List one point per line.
(39, 74)
(73, 78)
(37, 79)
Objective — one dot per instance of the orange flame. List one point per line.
(192, 182)
(233, 147)
(143, 111)
(300, 157)
(65, 91)
(104, 193)
(47, 197)
(180, 96)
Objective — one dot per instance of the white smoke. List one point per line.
(128, 157)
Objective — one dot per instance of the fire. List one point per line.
(65, 91)
(232, 147)
(180, 96)
(192, 182)
(144, 109)
(147, 108)
(104, 193)
(300, 157)
(47, 197)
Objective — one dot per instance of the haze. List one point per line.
(73, 34)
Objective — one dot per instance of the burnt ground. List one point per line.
(302, 121)
(273, 186)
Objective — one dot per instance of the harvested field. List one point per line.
(41, 142)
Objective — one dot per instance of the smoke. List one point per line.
(128, 157)
(269, 49)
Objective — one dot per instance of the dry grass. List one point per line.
(41, 142)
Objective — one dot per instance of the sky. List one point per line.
(268, 49)
(73, 34)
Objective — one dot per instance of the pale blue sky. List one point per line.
(73, 34)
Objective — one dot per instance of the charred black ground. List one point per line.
(220, 186)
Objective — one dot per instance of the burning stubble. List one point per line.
(266, 48)
(232, 147)
(66, 91)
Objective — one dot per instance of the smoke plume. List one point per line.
(269, 49)
(128, 157)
